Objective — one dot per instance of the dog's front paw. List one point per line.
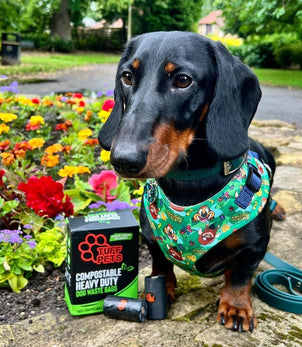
(235, 311)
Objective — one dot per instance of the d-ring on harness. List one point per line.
(286, 275)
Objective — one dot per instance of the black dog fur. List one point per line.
(183, 101)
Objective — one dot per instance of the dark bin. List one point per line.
(11, 48)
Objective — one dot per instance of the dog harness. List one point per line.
(186, 233)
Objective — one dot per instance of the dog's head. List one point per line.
(171, 88)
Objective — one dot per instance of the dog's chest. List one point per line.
(186, 233)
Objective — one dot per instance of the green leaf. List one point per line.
(39, 268)
(17, 282)
(123, 192)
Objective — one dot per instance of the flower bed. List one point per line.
(51, 168)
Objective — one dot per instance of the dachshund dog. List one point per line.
(183, 105)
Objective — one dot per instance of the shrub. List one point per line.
(288, 55)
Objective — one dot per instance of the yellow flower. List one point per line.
(50, 160)
(36, 120)
(139, 191)
(103, 115)
(36, 142)
(69, 171)
(80, 110)
(4, 128)
(83, 134)
(54, 149)
(105, 156)
(24, 101)
(7, 158)
(83, 169)
(7, 117)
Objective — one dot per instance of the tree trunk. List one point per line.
(60, 22)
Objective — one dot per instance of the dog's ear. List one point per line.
(110, 128)
(236, 97)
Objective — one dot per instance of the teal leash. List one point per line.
(283, 274)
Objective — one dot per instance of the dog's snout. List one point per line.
(127, 162)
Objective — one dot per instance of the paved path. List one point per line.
(277, 103)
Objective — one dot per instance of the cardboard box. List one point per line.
(102, 259)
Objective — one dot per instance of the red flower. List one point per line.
(103, 183)
(35, 101)
(82, 103)
(77, 95)
(108, 105)
(2, 173)
(64, 126)
(46, 197)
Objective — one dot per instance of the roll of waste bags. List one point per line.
(156, 297)
(118, 307)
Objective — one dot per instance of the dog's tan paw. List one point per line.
(235, 311)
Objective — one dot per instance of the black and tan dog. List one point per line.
(183, 106)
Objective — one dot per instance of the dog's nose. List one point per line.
(128, 163)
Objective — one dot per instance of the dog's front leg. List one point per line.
(235, 310)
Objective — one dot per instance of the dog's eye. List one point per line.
(127, 78)
(182, 81)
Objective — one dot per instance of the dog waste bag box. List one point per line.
(102, 259)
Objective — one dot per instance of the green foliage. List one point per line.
(268, 52)
(60, 45)
(100, 40)
(258, 17)
(166, 15)
(288, 55)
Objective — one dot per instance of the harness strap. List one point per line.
(286, 275)
(252, 186)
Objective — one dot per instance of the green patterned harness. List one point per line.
(186, 233)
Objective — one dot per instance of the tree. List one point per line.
(153, 15)
(261, 17)
(167, 14)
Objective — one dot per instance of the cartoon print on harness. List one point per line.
(181, 119)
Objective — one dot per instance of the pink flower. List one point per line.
(103, 183)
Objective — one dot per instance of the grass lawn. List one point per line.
(46, 62)
(280, 78)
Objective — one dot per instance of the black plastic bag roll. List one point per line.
(156, 297)
(118, 307)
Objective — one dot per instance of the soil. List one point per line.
(44, 293)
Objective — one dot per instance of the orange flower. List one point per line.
(91, 142)
(20, 153)
(47, 102)
(67, 149)
(7, 158)
(88, 116)
(54, 149)
(4, 145)
(50, 160)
